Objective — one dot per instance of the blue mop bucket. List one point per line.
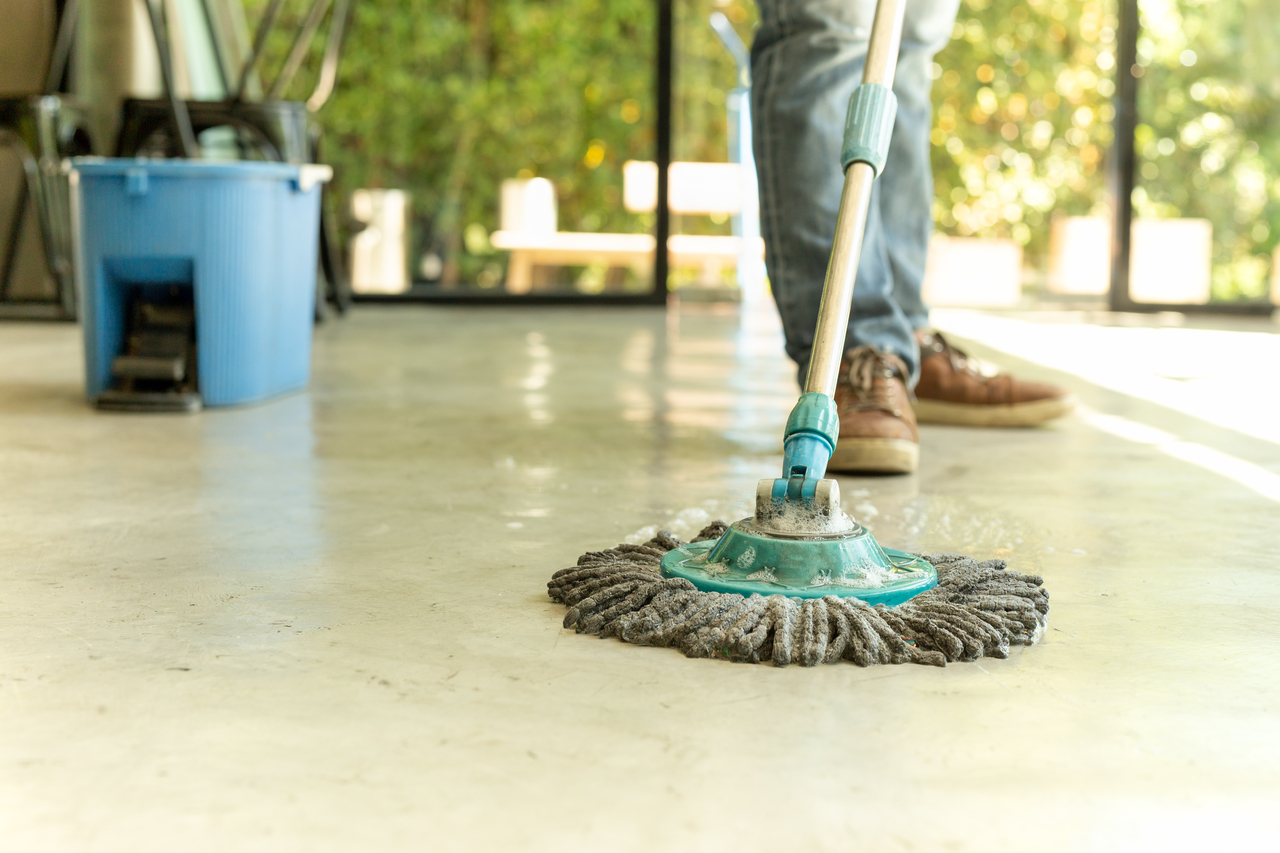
(241, 235)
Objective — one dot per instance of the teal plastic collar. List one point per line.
(814, 412)
(868, 126)
(810, 438)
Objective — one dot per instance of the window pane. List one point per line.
(1208, 142)
(1022, 122)
(715, 233)
(508, 124)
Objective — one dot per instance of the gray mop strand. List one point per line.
(978, 609)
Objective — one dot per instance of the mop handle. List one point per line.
(851, 223)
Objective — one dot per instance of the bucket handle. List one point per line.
(310, 174)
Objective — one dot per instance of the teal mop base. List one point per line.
(749, 561)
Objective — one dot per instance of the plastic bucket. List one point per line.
(241, 235)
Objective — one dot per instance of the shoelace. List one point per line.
(959, 359)
(869, 373)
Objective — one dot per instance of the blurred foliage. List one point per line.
(1209, 142)
(704, 74)
(446, 98)
(1023, 110)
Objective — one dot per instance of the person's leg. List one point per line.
(807, 59)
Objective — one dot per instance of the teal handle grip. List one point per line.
(868, 126)
(809, 441)
(816, 413)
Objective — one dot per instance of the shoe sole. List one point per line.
(1016, 415)
(874, 456)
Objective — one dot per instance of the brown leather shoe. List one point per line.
(953, 391)
(877, 426)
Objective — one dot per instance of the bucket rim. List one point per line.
(121, 166)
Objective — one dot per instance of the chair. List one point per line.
(43, 130)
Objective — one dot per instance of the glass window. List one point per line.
(507, 126)
(1207, 145)
(1022, 122)
(715, 246)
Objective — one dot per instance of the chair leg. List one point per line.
(339, 289)
(14, 241)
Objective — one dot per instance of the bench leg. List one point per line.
(520, 272)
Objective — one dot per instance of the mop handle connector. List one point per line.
(807, 444)
(868, 126)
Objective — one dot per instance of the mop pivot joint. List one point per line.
(820, 497)
(810, 438)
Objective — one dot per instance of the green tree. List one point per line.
(1022, 117)
(446, 98)
(1209, 138)
(1023, 110)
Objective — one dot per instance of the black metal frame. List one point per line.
(1121, 178)
(44, 129)
(472, 296)
(665, 47)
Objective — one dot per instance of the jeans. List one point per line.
(806, 61)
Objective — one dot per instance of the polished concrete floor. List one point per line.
(320, 624)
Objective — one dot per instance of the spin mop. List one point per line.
(801, 581)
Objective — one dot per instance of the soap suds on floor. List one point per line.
(684, 524)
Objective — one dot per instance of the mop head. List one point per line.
(978, 609)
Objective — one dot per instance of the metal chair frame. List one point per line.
(44, 129)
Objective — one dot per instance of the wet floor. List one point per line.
(321, 624)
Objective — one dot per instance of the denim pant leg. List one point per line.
(806, 61)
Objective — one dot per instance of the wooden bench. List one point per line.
(575, 248)
(528, 219)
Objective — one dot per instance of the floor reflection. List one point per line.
(259, 488)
